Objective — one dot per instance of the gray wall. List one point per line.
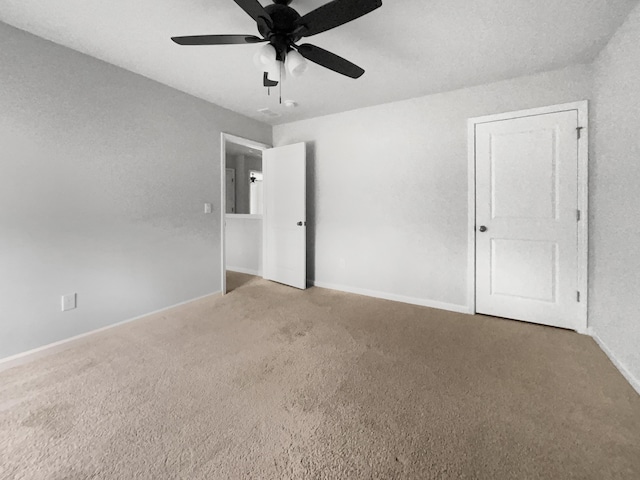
(388, 187)
(103, 176)
(614, 191)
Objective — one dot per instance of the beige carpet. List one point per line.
(273, 383)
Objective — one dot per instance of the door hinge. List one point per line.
(579, 130)
(578, 215)
(578, 296)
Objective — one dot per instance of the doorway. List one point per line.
(270, 244)
(241, 211)
(528, 215)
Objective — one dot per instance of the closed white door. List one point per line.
(526, 219)
(284, 204)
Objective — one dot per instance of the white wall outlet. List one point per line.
(207, 208)
(69, 302)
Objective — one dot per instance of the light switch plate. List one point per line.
(207, 208)
(69, 302)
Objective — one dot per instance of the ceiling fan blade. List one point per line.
(217, 39)
(265, 26)
(329, 60)
(334, 14)
(253, 8)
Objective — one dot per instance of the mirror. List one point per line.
(243, 180)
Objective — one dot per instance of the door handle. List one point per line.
(301, 223)
(482, 228)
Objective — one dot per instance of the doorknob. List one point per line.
(482, 228)
(301, 223)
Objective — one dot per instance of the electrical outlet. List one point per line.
(207, 208)
(69, 302)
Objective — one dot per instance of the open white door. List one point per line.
(526, 217)
(284, 220)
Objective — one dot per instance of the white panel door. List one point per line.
(284, 204)
(526, 225)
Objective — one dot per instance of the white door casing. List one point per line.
(284, 220)
(527, 262)
(230, 188)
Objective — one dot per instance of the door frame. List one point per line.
(582, 107)
(226, 172)
(224, 138)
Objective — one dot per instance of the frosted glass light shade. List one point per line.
(257, 62)
(295, 63)
(274, 71)
(267, 55)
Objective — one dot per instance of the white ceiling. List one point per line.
(408, 48)
(232, 148)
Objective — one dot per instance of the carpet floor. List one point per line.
(269, 382)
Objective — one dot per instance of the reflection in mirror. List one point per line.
(243, 180)
(255, 192)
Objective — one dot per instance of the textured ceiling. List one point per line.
(408, 48)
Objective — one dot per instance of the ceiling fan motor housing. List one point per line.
(283, 19)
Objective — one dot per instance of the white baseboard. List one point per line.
(452, 307)
(248, 271)
(45, 350)
(635, 382)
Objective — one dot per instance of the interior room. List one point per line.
(357, 239)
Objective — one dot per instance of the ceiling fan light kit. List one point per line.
(282, 27)
(295, 64)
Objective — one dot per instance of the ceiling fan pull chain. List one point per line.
(280, 82)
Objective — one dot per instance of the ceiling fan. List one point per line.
(281, 27)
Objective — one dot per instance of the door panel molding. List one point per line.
(582, 225)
